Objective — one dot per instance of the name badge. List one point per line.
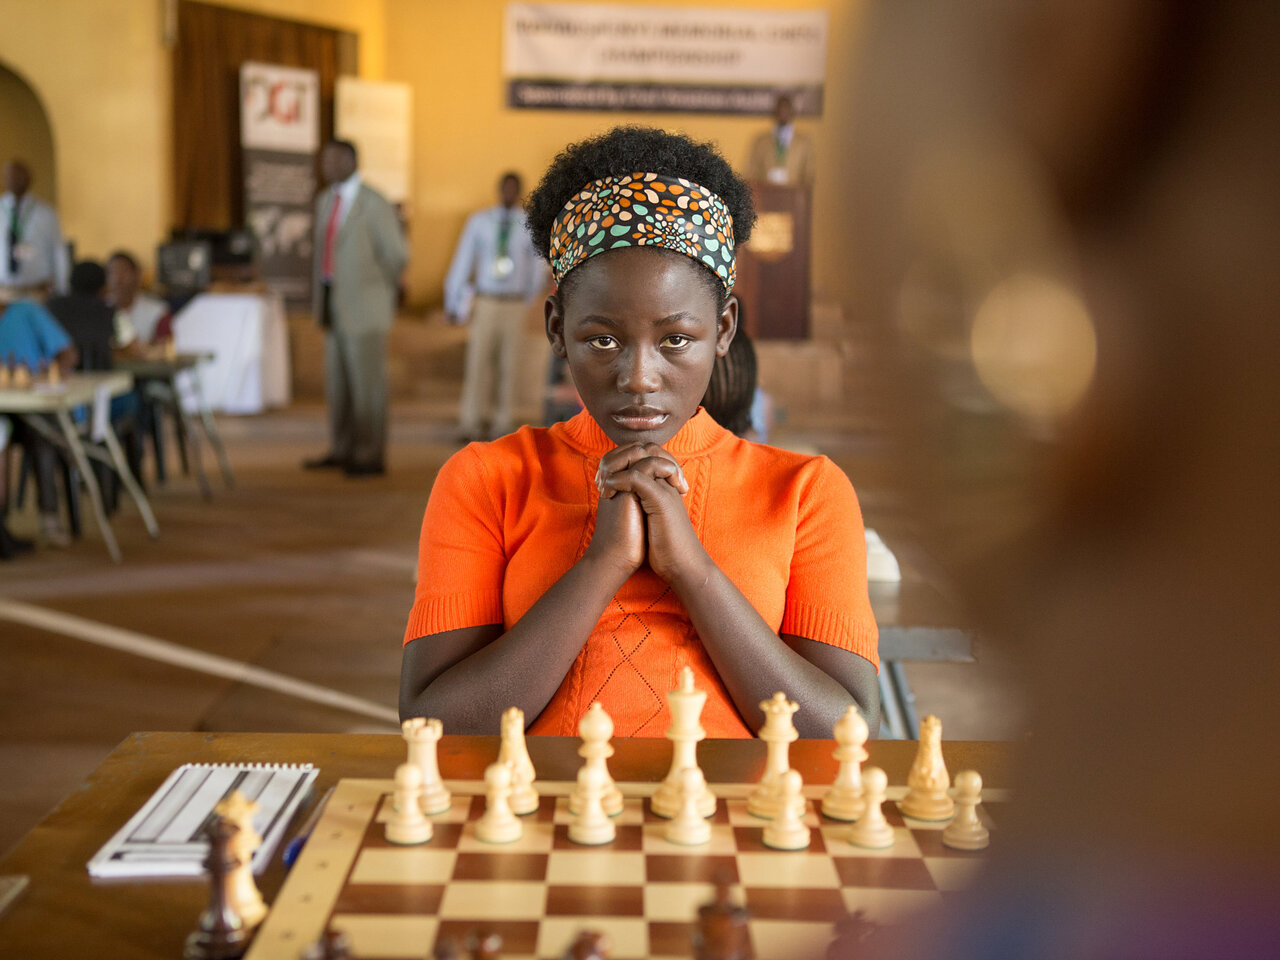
(503, 266)
(777, 175)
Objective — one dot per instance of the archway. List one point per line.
(25, 133)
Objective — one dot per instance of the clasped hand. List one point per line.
(641, 515)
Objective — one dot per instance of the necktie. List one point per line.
(331, 237)
(15, 237)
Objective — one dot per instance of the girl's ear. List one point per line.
(553, 315)
(726, 326)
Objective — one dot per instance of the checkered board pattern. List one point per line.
(395, 901)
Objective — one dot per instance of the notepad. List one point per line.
(165, 838)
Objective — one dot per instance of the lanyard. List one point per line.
(504, 235)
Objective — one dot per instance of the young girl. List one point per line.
(593, 559)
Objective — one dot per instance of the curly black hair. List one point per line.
(632, 149)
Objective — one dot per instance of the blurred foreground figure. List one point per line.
(1068, 215)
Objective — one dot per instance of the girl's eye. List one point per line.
(677, 340)
(602, 342)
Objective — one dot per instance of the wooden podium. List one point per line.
(773, 268)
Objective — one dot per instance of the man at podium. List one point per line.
(783, 156)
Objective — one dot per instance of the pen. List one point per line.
(294, 846)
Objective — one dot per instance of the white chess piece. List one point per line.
(408, 824)
(592, 825)
(515, 753)
(246, 898)
(843, 801)
(690, 828)
(595, 728)
(786, 831)
(927, 781)
(499, 824)
(778, 732)
(872, 831)
(422, 736)
(685, 703)
(966, 831)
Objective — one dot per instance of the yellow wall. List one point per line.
(464, 136)
(24, 131)
(98, 69)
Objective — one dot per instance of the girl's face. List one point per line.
(641, 333)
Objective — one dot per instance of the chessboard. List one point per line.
(642, 890)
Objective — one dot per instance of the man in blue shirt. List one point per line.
(31, 338)
(494, 276)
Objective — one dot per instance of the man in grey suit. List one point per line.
(360, 254)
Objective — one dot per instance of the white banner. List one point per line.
(279, 136)
(625, 57)
(378, 119)
(279, 108)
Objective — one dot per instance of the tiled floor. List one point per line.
(306, 574)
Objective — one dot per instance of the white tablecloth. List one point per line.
(249, 340)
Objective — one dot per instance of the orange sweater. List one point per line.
(507, 519)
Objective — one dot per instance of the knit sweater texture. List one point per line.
(507, 519)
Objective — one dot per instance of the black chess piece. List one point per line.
(722, 932)
(484, 944)
(220, 933)
(447, 949)
(590, 945)
(332, 945)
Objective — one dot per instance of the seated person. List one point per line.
(90, 323)
(86, 317)
(594, 559)
(140, 319)
(30, 337)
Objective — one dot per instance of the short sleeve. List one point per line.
(461, 560)
(827, 596)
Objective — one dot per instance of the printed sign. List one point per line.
(683, 59)
(279, 108)
(279, 136)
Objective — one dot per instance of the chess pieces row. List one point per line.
(235, 908)
(20, 376)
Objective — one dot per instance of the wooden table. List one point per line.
(65, 914)
(160, 374)
(60, 402)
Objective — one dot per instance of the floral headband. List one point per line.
(644, 209)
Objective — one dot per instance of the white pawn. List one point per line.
(408, 824)
(778, 732)
(595, 728)
(689, 827)
(499, 824)
(786, 831)
(872, 831)
(592, 825)
(966, 831)
(515, 753)
(843, 801)
(422, 736)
